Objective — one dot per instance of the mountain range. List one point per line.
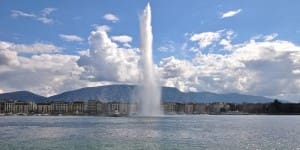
(123, 93)
(22, 96)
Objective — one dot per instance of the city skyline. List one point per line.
(224, 47)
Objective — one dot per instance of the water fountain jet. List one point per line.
(150, 91)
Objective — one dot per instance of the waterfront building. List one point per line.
(226, 107)
(254, 108)
(92, 107)
(2, 106)
(113, 107)
(60, 107)
(169, 107)
(200, 108)
(100, 107)
(77, 107)
(9, 106)
(132, 108)
(32, 107)
(164, 107)
(43, 107)
(124, 108)
(116, 107)
(21, 107)
(188, 108)
(218, 107)
(180, 108)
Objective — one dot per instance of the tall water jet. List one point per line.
(150, 92)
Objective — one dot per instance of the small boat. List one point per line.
(234, 113)
(21, 114)
(116, 114)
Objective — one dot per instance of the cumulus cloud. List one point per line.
(35, 48)
(273, 64)
(111, 17)
(71, 38)
(106, 61)
(270, 37)
(296, 71)
(47, 11)
(17, 13)
(124, 39)
(226, 40)
(266, 68)
(212, 39)
(259, 66)
(44, 74)
(231, 13)
(47, 72)
(205, 39)
(167, 47)
(178, 73)
(7, 57)
(104, 28)
(43, 16)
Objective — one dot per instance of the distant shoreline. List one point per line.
(164, 115)
(117, 109)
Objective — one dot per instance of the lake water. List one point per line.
(170, 132)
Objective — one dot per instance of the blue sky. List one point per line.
(64, 28)
(170, 20)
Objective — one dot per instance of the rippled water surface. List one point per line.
(169, 132)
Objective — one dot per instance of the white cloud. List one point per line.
(184, 46)
(205, 39)
(111, 17)
(167, 47)
(7, 57)
(71, 38)
(41, 17)
(296, 71)
(101, 27)
(164, 48)
(122, 38)
(17, 13)
(173, 67)
(106, 61)
(226, 40)
(266, 68)
(226, 43)
(270, 37)
(36, 48)
(45, 74)
(45, 20)
(273, 64)
(231, 13)
(47, 11)
(212, 39)
(256, 67)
